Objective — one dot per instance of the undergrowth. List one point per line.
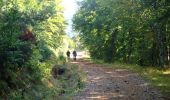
(49, 88)
(68, 83)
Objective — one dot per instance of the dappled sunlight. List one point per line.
(119, 70)
(119, 76)
(109, 72)
(75, 62)
(122, 73)
(162, 85)
(96, 79)
(104, 96)
(48, 83)
(166, 72)
(98, 97)
(154, 78)
(114, 84)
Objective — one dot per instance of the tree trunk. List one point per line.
(159, 45)
(130, 47)
(141, 50)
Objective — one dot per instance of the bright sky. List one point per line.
(70, 9)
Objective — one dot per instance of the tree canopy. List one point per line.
(130, 31)
(30, 32)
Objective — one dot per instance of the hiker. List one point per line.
(74, 55)
(68, 54)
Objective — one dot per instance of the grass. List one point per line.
(61, 88)
(66, 85)
(159, 78)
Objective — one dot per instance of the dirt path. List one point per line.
(114, 84)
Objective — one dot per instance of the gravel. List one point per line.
(114, 84)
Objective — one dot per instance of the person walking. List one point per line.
(74, 55)
(68, 54)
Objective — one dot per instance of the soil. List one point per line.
(114, 84)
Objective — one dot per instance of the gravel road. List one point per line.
(114, 84)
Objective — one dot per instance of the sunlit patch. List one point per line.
(119, 70)
(154, 78)
(75, 62)
(166, 72)
(97, 78)
(162, 85)
(121, 76)
(98, 97)
(48, 83)
(109, 72)
(144, 84)
(106, 96)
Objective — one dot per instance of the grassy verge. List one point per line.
(62, 87)
(66, 85)
(72, 81)
(158, 77)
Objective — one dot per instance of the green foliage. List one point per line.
(31, 32)
(134, 31)
(70, 82)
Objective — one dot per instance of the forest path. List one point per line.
(113, 84)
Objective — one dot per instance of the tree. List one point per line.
(142, 30)
(28, 31)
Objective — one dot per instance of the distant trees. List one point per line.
(131, 31)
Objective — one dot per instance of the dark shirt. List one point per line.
(74, 53)
(68, 53)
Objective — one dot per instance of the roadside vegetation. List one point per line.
(32, 43)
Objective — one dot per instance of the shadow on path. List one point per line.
(113, 84)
